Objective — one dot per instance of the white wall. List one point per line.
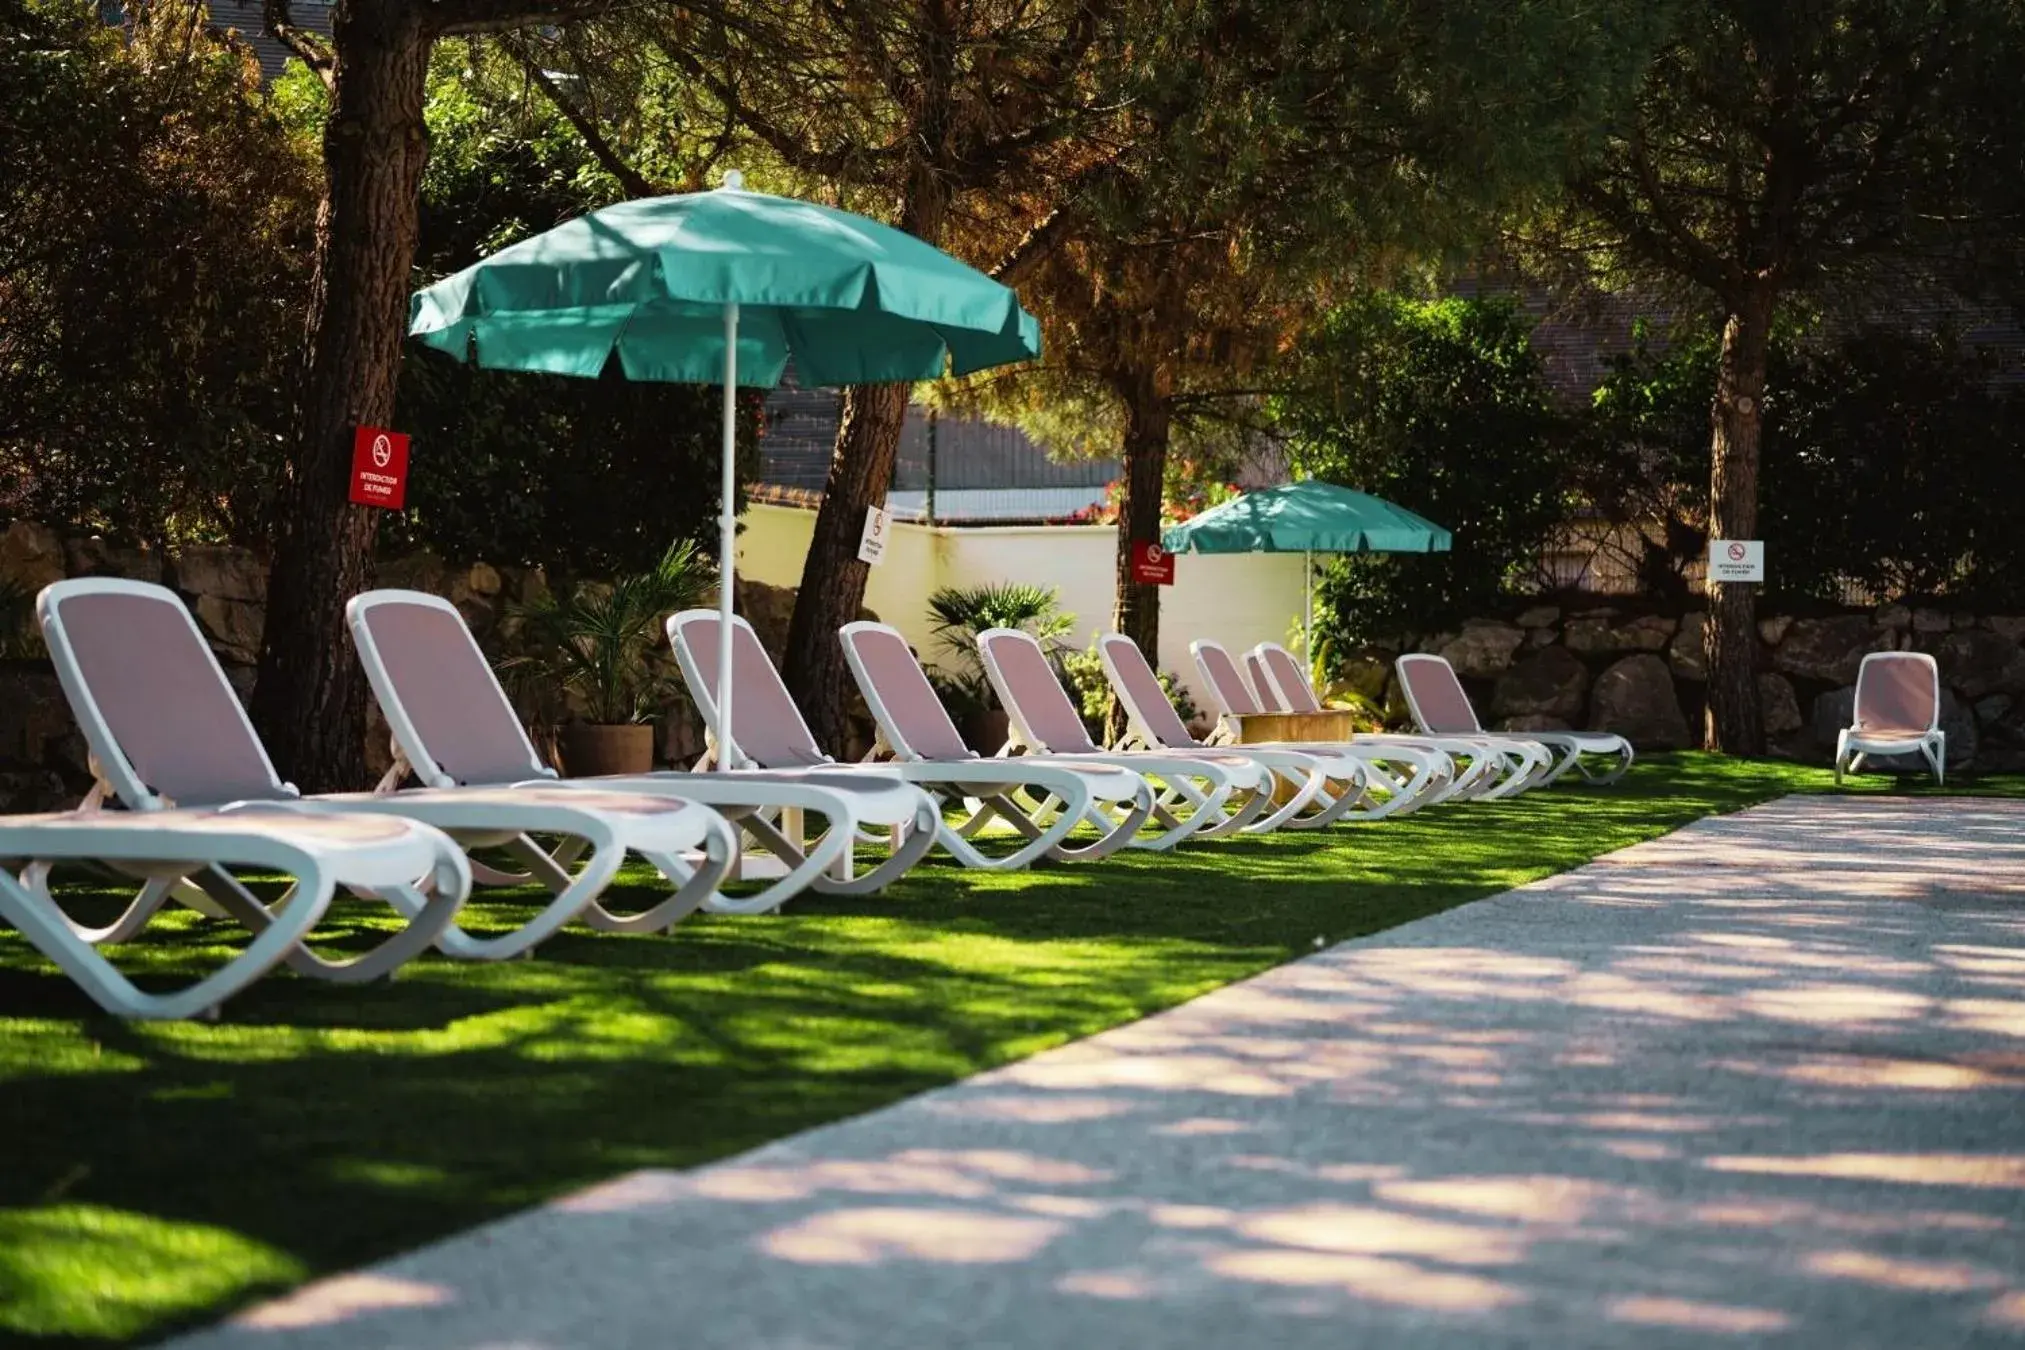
(1238, 599)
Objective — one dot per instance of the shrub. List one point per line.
(1441, 407)
(962, 612)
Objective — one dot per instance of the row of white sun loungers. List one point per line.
(188, 800)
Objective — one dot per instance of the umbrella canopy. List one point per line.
(849, 299)
(727, 285)
(1307, 517)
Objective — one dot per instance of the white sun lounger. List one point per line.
(375, 855)
(1153, 723)
(770, 729)
(1453, 769)
(1195, 786)
(453, 724)
(165, 729)
(1348, 777)
(1492, 769)
(1898, 711)
(1439, 704)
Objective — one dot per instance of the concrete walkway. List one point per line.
(1759, 1082)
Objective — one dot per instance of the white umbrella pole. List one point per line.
(1308, 605)
(727, 542)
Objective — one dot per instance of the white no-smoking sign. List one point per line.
(1736, 560)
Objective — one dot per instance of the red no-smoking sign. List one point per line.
(1737, 552)
(379, 468)
(1152, 565)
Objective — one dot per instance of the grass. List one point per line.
(159, 1174)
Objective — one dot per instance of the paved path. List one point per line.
(1756, 1083)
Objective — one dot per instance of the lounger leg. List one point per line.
(51, 934)
(805, 864)
(694, 886)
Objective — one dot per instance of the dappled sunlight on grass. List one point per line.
(317, 1127)
(92, 1271)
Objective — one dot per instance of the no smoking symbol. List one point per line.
(1736, 552)
(383, 451)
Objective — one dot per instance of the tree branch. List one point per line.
(461, 17)
(631, 180)
(308, 47)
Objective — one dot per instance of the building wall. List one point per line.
(1238, 599)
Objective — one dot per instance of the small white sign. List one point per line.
(1736, 560)
(872, 543)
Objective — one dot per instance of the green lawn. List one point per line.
(156, 1175)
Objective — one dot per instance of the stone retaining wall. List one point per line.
(1604, 667)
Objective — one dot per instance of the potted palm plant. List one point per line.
(592, 663)
(960, 614)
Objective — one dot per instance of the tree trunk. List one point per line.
(861, 470)
(1736, 724)
(309, 701)
(1148, 420)
(833, 580)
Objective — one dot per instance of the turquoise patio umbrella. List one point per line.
(726, 285)
(1307, 517)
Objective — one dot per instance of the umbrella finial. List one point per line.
(734, 180)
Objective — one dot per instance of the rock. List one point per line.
(422, 571)
(1539, 616)
(1832, 712)
(234, 627)
(38, 736)
(1483, 650)
(1780, 706)
(1588, 634)
(2009, 626)
(1773, 631)
(1364, 674)
(1397, 714)
(2000, 744)
(1635, 698)
(1687, 654)
(483, 579)
(221, 572)
(1958, 720)
(1431, 642)
(1896, 618)
(92, 556)
(1535, 723)
(1962, 621)
(1930, 621)
(1649, 633)
(24, 791)
(1537, 638)
(1978, 663)
(31, 556)
(1551, 682)
(1993, 708)
(1828, 650)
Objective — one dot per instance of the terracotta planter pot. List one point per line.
(589, 750)
(985, 732)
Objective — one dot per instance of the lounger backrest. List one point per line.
(899, 693)
(1898, 692)
(765, 723)
(1436, 697)
(1288, 677)
(1134, 681)
(1221, 677)
(453, 722)
(155, 706)
(1262, 681)
(1033, 697)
